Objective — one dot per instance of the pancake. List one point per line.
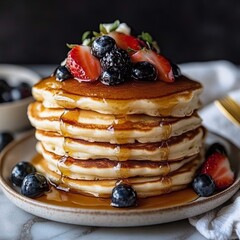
(156, 98)
(109, 116)
(106, 169)
(187, 144)
(145, 186)
(95, 127)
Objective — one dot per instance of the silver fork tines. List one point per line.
(230, 108)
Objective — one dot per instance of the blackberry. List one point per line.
(144, 71)
(112, 76)
(102, 45)
(117, 58)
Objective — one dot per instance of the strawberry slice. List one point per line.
(163, 66)
(82, 64)
(218, 167)
(126, 42)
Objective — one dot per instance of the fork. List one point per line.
(230, 108)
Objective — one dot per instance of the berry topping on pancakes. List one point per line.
(82, 64)
(111, 54)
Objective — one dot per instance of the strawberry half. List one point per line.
(218, 167)
(82, 64)
(162, 65)
(125, 41)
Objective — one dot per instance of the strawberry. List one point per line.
(82, 64)
(162, 65)
(126, 42)
(218, 167)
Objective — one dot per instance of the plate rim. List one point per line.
(107, 212)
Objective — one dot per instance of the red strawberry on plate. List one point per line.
(126, 42)
(82, 64)
(162, 65)
(218, 167)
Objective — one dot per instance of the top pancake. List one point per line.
(154, 98)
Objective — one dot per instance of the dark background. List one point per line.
(36, 32)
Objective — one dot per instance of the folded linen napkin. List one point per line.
(222, 223)
(219, 79)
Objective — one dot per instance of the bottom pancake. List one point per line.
(144, 186)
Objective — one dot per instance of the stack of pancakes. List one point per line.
(93, 137)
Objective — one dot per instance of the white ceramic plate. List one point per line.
(23, 149)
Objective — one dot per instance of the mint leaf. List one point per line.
(146, 37)
(71, 45)
(96, 34)
(86, 35)
(87, 42)
(114, 26)
(102, 29)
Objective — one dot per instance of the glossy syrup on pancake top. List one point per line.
(132, 97)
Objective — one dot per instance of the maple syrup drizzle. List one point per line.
(122, 154)
(71, 90)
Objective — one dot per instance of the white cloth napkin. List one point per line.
(218, 78)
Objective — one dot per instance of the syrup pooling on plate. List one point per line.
(63, 197)
(186, 210)
(68, 199)
(102, 187)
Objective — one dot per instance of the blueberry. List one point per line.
(4, 86)
(144, 71)
(20, 171)
(216, 147)
(123, 195)
(176, 70)
(20, 92)
(102, 45)
(5, 138)
(25, 89)
(112, 77)
(9, 93)
(204, 185)
(62, 73)
(34, 185)
(5, 96)
(16, 94)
